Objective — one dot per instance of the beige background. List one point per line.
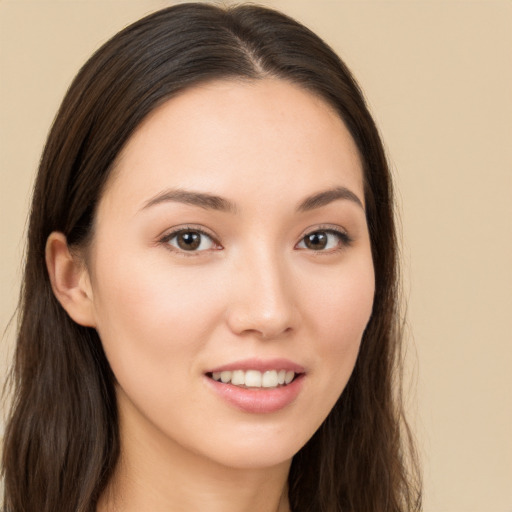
(438, 77)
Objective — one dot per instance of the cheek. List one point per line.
(152, 317)
(340, 316)
(343, 304)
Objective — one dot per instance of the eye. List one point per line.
(324, 240)
(190, 240)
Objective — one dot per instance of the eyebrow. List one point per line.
(203, 200)
(213, 202)
(328, 196)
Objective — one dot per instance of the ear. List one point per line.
(70, 280)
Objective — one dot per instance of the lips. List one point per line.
(257, 386)
(261, 365)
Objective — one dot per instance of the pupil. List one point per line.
(189, 240)
(316, 240)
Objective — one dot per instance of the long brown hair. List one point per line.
(62, 440)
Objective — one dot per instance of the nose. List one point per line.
(263, 302)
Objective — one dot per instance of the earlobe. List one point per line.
(70, 280)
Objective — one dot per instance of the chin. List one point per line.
(256, 450)
(256, 459)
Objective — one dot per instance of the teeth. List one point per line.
(254, 378)
(269, 379)
(238, 378)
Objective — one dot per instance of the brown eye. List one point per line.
(316, 241)
(326, 240)
(190, 240)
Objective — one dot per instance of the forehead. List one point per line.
(225, 137)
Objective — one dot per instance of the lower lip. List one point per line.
(258, 400)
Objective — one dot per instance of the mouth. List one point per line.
(257, 386)
(255, 379)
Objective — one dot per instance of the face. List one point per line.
(231, 273)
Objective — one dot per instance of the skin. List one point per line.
(166, 316)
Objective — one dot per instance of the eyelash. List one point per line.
(187, 229)
(344, 240)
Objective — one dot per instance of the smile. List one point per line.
(254, 378)
(257, 386)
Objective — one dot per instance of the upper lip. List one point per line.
(261, 365)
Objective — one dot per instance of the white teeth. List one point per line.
(254, 378)
(269, 379)
(238, 378)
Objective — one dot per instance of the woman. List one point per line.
(209, 307)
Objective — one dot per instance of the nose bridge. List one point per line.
(263, 301)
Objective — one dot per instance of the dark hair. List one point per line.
(62, 440)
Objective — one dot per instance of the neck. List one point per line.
(155, 473)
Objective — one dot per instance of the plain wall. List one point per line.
(438, 78)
